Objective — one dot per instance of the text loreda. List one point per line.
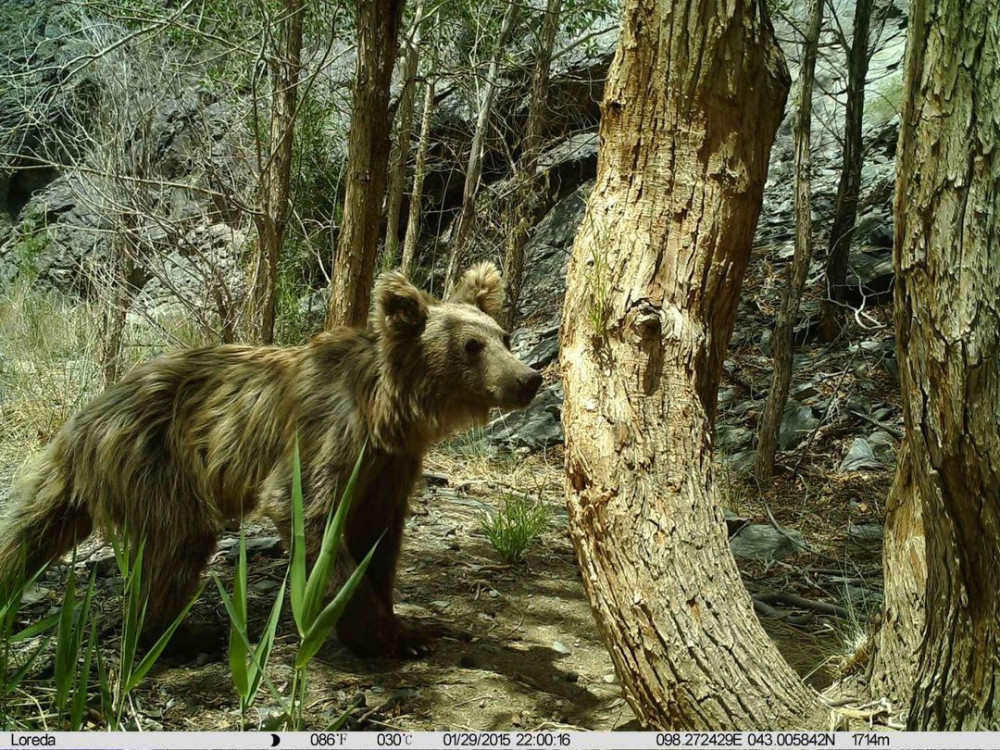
(32, 740)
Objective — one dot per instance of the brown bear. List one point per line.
(191, 440)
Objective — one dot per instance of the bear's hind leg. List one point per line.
(171, 568)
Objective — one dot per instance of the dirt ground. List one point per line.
(521, 649)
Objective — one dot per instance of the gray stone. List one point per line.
(535, 428)
(798, 423)
(731, 437)
(860, 457)
(864, 533)
(758, 541)
(883, 445)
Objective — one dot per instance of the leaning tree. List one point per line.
(692, 103)
(947, 256)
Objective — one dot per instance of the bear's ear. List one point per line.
(400, 307)
(482, 287)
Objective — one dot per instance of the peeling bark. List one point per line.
(947, 252)
(693, 100)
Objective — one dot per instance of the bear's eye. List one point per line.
(506, 342)
(474, 346)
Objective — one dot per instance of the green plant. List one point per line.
(514, 526)
(131, 670)
(314, 621)
(73, 621)
(248, 665)
(599, 310)
(12, 674)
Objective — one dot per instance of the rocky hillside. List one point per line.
(185, 202)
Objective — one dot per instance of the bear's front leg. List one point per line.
(369, 626)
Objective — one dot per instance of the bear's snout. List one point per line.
(528, 385)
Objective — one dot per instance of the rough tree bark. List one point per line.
(524, 200)
(849, 189)
(693, 99)
(378, 23)
(397, 169)
(276, 173)
(904, 563)
(781, 341)
(474, 169)
(419, 173)
(947, 251)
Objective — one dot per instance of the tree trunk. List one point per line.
(419, 172)
(849, 189)
(378, 23)
(947, 251)
(474, 169)
(781, 377)
(523, 206)
(693, 100)
(904, 564)
(275, 180)
(397, 171)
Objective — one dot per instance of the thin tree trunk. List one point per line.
(474, 169)
(904, 564)
(524, 200)
(419, 173)
(849, 189)
(693, 99)
(397, 170)
(781, 377)
(378, 23)
(275, 184)
(947, 251)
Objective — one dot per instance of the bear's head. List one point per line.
(452, 357)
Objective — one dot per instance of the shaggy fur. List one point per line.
(190, 440)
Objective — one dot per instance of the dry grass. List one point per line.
(50, 349)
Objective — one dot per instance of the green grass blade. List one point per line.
(263, 651)
(42, 626)
(154, 653)
(298, 552)
(11, 683)
(327, 619)
(319, 577)
(228, 604)
(79, 704)
(237, 650)
(66, 655)
(132, 622)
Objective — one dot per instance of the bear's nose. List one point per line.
(529, 383)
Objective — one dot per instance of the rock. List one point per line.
(545, 351)
(732, 437)
(797, 424)
(870, 277)
(256, 545)
(571, 162)
(860, 457)
(883, 445)
(734, 523)
(758, 541)
(546, 256)
(881, 236)
(265, 585)
(534, 428)
(739, 462)
(560, 648)
(863, 533)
